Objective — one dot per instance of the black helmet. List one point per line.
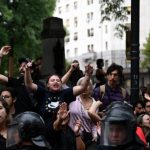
(27, 126)
(118, 125)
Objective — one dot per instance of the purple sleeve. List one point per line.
(127, 98)
(96, 93)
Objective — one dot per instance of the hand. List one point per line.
(5, 50)
(74, 66)
(77, 127)
(62, 112)
(98, 128)
(29, 64)
(94, 139)
(88, 70)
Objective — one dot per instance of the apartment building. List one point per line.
(88, 39)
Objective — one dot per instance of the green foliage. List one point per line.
(113, 10)
(146, 52)
(25, 26)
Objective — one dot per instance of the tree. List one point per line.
(24, 26)
(113, 10)
(146, 52)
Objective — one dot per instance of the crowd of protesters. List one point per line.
(71, 112)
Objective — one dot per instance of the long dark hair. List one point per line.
(6, 106)
(4, 103)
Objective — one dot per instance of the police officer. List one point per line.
(119, 129)
(26, 132)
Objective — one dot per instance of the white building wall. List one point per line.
(103, 40)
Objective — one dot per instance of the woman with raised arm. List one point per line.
(79, 111)
(50, 98)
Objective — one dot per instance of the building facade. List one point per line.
(88, 39)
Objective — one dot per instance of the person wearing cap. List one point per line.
(27, 132)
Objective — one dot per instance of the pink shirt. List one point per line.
(78, 112)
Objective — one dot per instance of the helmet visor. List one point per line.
(13, 137)
(115, 133)
(40, 141)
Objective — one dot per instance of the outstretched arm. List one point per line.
(3, 79)
(80, 88)
(28, 79)
(65, 78)
(4, 51)
(62, 116)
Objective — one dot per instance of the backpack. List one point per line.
(102, 91)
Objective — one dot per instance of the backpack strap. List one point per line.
(123, 92)
(102, 90)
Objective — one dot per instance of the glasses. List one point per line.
(6, 96)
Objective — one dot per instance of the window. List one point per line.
(90, 48)
(106, 64)
(75, 21)
(68, 52)
(59, 10)
(89, 17)
(67, 23)
(90, 32)
(75, 36)
(67, 39)
(106, 29)
(76, 51)
(106, 45)
(89, 2)
(75, 5)
(67, 7)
